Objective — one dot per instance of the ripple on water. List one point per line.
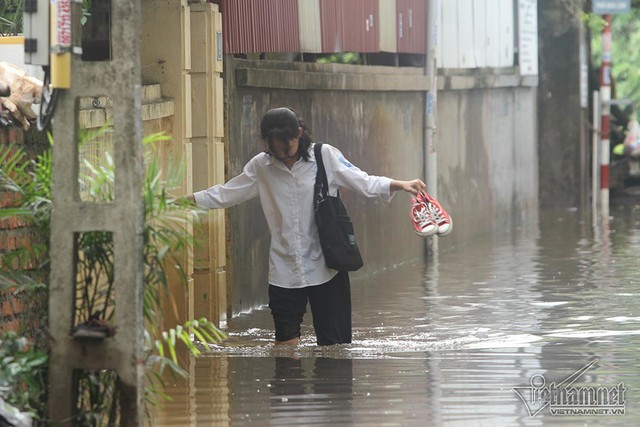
(445, 343)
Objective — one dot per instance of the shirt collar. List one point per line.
(270, 159)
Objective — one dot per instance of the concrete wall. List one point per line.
(562, 122)
(487, 160)
(486, 139)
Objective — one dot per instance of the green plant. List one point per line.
(625, 36)
(341, 58)
(22, 374)
(11, 17)
(165, 238)
(594, 22)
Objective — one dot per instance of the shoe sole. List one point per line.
(426, 234)
(444, 233)
(433, 201)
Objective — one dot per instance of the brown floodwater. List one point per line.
(481, 335)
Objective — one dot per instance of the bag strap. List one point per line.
(322, 185)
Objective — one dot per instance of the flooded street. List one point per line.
(473, 338)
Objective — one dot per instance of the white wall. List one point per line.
(12, 51)
(477, 33)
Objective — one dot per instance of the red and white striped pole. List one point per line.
(605, 99)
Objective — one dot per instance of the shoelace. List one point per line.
(435, 212)
(422, 215)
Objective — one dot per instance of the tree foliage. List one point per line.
(625, 56)
(11, 17)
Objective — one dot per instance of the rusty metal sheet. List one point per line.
(330, 16)
(260, 26)
(411, 25)
(349, 25)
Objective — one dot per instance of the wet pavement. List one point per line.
(479, 336)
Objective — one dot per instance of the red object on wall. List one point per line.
(251, 26)
(411, 26)
(349, 26)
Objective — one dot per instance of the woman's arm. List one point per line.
(348, 175)
(239, 189)
(414, 186)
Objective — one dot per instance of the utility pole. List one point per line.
(605, 99)
(431, 101)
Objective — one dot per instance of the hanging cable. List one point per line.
(48, 102)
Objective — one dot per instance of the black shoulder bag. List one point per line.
(337, 238)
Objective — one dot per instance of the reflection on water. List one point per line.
(445, 343)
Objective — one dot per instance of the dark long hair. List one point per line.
(281, 124)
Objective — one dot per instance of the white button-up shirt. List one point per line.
(286, 195)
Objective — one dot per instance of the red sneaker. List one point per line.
(423, 223)
(439, 215)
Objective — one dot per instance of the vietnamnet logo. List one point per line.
(565, 399)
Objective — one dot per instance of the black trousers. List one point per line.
(330, 307)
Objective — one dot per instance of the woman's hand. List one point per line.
(414, 187)
(186, 201)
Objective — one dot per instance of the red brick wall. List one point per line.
(13, 234)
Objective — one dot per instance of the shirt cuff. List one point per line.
(388, 194)
(200, 197)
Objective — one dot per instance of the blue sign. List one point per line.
(611, 7)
